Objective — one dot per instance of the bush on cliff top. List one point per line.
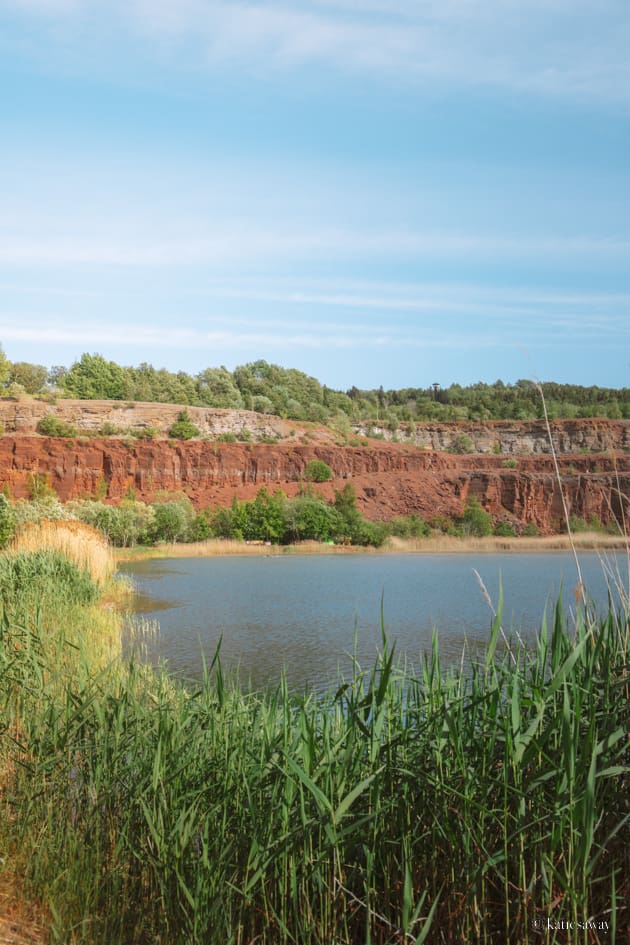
(184, 428)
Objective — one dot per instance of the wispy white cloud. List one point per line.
(228, 338)
(234, 244)
(550, 47)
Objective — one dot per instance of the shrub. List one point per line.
(183, 428)
(409, 526)
(442, 523)
(579, 524)
(531, 530)
(510, 463)
(53, 426)
(127, 524)
(147, 433)
(504, 530)
(462, 444)
(475, 520)
(108, 429)
(317, 471)
(226, 438)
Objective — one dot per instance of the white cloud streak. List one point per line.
(545, 47)
(233, 245)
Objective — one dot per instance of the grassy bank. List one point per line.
(438, 544)
(449, 807)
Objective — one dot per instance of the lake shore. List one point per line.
(442, 544)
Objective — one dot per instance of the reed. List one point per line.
(442, 544)
(80, 543)
(447, 807)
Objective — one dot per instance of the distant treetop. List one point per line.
(288, 392)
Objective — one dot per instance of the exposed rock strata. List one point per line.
(389, 479)
(507, 437)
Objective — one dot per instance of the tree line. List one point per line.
(288, 392)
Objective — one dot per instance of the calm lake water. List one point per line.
(302, 613)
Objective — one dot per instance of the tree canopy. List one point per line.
(288, 392)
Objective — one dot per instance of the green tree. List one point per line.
(265, 517)
(5, 367)
(308, 517)
(32, 377)
(94, 378)
(216, 387)
(172, 520)
(475, 520)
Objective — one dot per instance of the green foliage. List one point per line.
(226, 438)
(308, 518)
(39, 486)
(130, 523)
(5, 367)
(7, 520)
(317, 471)
(400, 807)
(287, 392)
(462, 444)
(216, 388)
(276, 518)
(475, 520)
(409, 526)
(200, 527)
(50, 425)
(531, 530)
(94, 378)
(108, 429)
(504, 530)
(172, 521)
(353, 528)
(39, 578)
(510, 463)
(183, 428)
(31, 377)
(264, 518)
(579, 524)
(147, 433)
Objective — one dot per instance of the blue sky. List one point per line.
(374, 192)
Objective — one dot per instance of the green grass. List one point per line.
(452, 806)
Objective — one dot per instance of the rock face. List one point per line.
(389, 479)
(508, 437)
(90, 416)
(517, 438)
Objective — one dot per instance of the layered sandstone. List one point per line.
(508, 437)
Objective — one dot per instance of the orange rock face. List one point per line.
(389, 479)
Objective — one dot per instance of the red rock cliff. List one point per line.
(390, 479)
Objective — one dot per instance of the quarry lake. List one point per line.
(306, 614)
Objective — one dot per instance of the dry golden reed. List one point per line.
(80, 543)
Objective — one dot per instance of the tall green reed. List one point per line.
(448, 806)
